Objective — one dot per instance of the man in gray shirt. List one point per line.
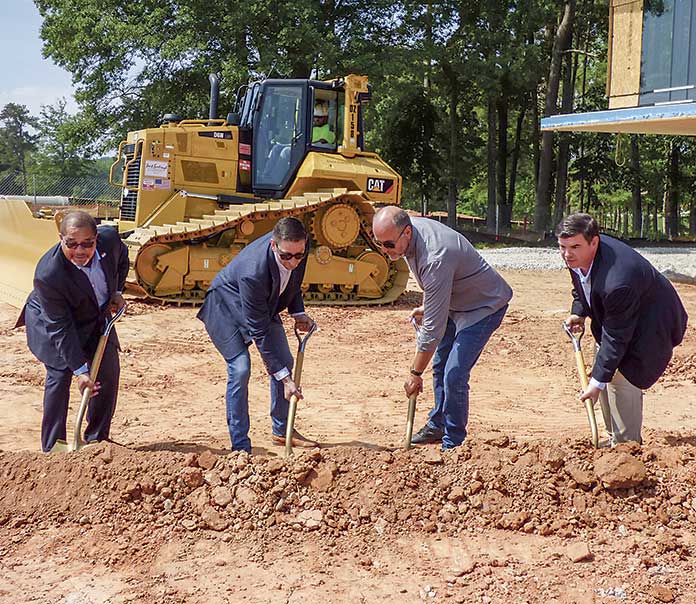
(464, 302)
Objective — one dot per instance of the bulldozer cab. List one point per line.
(287, 119)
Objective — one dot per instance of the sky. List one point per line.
(27, 78)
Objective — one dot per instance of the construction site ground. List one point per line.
(526, 511)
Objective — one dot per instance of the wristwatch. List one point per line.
(416, 373)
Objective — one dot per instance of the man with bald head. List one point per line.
(77, 285)
(464, 302)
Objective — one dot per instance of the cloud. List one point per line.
(35, 96)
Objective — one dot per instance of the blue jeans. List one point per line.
(237, 395)
(454, 358)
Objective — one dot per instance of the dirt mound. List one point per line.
(493, 481)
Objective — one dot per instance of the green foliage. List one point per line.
(435, 68)
(16, 137)
(61, 143)
(409, 143)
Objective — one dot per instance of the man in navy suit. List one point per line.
(242, 306)
(637, 320)
(77, 285)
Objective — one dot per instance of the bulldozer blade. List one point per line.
(23, 240)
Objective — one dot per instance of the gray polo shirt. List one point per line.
(457, 283)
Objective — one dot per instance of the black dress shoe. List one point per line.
(427, 435)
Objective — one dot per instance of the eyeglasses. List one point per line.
(85, 245)
(390, 245)
(288, 256)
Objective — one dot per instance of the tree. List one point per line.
(16, 139)
(410, 142)
(560, 45)
(61, 142)
(133, 62)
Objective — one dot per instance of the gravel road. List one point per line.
(680, 261)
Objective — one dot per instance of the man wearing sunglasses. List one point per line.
(464, 302)
(77, 285)
(242, 306)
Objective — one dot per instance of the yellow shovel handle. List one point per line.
(292, 409)
(589, 407)
(409, 420)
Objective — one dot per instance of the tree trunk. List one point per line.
(672, 197)
(452, 191)
(504, 211)
(692, 216)
(564, 144)
(491, 157)
(543, 191)
(536, 136)
(516, 153)
(636, 199)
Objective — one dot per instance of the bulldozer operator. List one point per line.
(321, 131)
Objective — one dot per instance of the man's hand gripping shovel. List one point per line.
(78, 442)
(302, 342)
(582, 372)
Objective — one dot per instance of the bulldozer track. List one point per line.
(196, 231)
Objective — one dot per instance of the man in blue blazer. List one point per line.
(77, 285)
(242, 306)
(637, 320)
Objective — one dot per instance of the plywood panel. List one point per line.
(618, 102)
(626, 33)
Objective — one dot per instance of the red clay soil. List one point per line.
(524, 512)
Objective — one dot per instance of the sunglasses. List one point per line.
(85, 245)
(390, 245)
(288, 256)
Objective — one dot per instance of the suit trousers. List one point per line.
(100, 410)
(622, 409)
(237, 394)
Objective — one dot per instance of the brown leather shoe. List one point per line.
(297, 441)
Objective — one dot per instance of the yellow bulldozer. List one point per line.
(196, 191)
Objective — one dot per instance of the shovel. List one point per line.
(411, 405)
(78, 442)
(290, 428)
(582, 371)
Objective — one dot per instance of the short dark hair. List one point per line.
(289, 229)
(578, 224)
(77, 219)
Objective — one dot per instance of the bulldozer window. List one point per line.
(279, 137)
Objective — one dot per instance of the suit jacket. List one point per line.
(244, 299)
(64, 321)
(637, 316)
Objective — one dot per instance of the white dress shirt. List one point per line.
(586, 283)
(284, 279)
(95, 273)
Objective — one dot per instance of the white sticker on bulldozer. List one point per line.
(156, 168)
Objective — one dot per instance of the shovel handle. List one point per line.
(292, 408)
(409, 420)
(411, 414)
(302, 340)
(290, 427)
(78, 442)
(582, 372)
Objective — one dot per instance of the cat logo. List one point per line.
(380, 185)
